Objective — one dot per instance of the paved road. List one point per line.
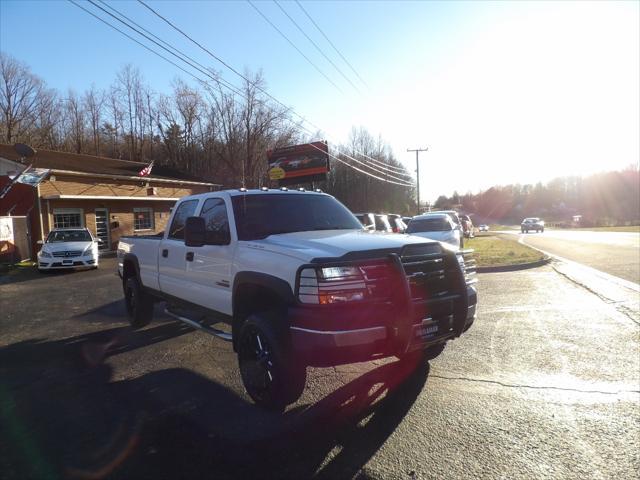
(545, 384)
(616, 253)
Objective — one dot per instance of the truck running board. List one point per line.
(205, 328)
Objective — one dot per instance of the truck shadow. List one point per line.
(115, 312)
(62, 418)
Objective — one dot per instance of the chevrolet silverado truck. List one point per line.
(292, 279)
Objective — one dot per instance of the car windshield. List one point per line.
(435, 224)
(258, 216)
(364, 219)
(382, 223)
(69, 236)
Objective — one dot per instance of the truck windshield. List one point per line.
(261, 215)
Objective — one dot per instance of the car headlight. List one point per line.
(330, 285)
(88, 250)
(44, 253)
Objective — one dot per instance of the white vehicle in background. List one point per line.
(435, 226)
(483, 228)
(68, 248)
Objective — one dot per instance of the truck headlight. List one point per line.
(330, 285)
(468, 267)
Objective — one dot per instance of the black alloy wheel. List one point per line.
(267, 372)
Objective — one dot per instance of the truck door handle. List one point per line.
(165, 253)
(189, 257)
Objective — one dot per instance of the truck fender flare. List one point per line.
(131, 258)
(280, 288)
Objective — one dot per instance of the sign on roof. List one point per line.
(33, 176)
(304, 163)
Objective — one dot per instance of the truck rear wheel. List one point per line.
(272, 378)
(139, 304)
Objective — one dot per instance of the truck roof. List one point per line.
(257, 191)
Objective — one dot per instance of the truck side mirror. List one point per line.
(194, 232)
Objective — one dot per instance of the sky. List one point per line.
(499, 92)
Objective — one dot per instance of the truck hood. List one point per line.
(334, 243)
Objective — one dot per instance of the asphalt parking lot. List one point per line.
(545, 384)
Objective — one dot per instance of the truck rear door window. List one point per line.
(214, 212)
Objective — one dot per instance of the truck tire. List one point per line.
(272, 378)
(139, 304)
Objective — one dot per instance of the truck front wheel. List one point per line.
(139, 303)
(272, 378)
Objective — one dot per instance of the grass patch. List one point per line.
(494, 250)
(629, 228)
(6, 268)
(497, 228)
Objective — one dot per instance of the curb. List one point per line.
(514, 268)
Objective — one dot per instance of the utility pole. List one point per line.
(417, 150)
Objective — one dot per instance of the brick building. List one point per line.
(106, 195)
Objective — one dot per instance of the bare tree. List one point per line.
(114, 126)
(76, 121)
(93, 105)
(20, 95)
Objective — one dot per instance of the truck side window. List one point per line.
(184, 211)
(214, 212)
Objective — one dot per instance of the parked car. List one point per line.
(382, 223)
(532, 223)
(66, 248)
(456, 221)
(367, 220)
(299, 284)
(406, 220)
(436, 226)
(467, 225)
(483, 228)
(397, 225)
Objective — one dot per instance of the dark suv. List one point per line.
(532, 223)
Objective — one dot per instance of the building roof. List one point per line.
(53, 160)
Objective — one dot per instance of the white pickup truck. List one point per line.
(292, 279)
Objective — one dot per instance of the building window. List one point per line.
(67, 218)
(143, 219)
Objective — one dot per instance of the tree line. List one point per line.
(205, 130)
(602, 199)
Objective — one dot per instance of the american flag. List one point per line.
(146, 170)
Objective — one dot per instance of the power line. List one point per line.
(178, 55)
(315, 45)
(331, 43)
(136, 41)
(390, 168)
(359, 170)
(216, 79)
(293, 45)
